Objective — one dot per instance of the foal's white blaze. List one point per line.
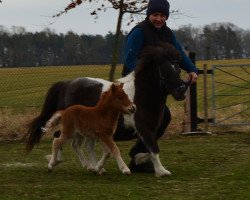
(159, 169)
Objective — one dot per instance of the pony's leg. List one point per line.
(109, 142)
(151, 143)
(90, 147)
(159, 169)
(76, 144)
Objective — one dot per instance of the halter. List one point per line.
(164, 89)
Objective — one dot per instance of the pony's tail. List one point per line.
(50, 106)
(54, 123)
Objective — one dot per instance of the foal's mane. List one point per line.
(113, 88)
(156, 55)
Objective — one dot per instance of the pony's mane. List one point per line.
(157, 54)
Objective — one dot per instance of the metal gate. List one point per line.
(231, 94)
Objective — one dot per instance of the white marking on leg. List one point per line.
(159, 169)
(122, 165)
(100, 164)
(76, 144)
(90, 147)
(55, 149)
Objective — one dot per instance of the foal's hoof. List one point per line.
(91, 169)
(127, 172)
(49, 168)
(99, 171)
(48, 157)
(102, 171)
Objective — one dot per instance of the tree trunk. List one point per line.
(115, 55)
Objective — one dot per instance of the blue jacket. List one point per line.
(135, 43)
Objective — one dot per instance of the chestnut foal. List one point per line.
(78, 122)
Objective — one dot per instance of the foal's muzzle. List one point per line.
(132, 109)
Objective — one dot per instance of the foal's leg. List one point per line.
(76, 144)
(106, 154)
(109, 142)
(57, 144)
(90, 147)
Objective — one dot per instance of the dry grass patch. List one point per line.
(13, 123)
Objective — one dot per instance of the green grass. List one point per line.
(203, 167)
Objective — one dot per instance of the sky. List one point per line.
(36, 15)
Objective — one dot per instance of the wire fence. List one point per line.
(23, 91)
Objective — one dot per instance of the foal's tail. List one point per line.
(50, 106)
(54, 123)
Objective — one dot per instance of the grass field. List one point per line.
(203, 167)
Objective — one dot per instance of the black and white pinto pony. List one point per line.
(156, 76)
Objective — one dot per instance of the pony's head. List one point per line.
(163, 62)
(119, 100)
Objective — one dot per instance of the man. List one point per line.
(152, 31)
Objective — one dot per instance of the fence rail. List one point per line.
(231, 94)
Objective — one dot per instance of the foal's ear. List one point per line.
(113, 88)
(121, 85)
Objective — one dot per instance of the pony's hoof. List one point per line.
(162, 173)
(49, 170)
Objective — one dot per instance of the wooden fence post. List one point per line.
(191, 119)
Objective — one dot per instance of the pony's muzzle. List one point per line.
(180, 93)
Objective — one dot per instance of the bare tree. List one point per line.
(122, 6)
